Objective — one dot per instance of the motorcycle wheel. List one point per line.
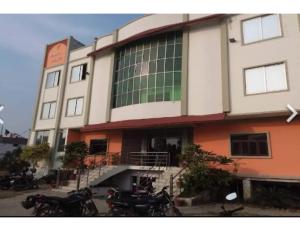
(121, 213)
(173, 212)
(47, 210)
(90, 209)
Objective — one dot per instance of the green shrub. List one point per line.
(204, 171)
(75, 154)
(36, 153)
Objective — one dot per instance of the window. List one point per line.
(261, 28)
(98, 146)
(41, 137)
(48, 111)
(249, 144)
(52, 79)
(61, 140)
(265, 79)
(149, 71)
(78, 73)
(75, 106)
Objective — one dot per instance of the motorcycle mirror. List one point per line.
(231, 196)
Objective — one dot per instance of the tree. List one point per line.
(75, 154)
(36, 153)
(12, 162)
(205, 170)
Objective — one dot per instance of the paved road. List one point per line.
(11, 206)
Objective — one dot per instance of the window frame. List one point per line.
(42, 111)
(269, 156)
(82, 64)
(59, 72)
(172, 40)
(266, 65)
(99, 153)
(261, 40)
(63, 133)
(67, 106)
(43, 131)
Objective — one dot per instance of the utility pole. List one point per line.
(2, 126)
(1, 121)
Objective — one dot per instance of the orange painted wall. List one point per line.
(73, 136)
(114, 139)
(56, 54)
(284, 161)
(114, 143)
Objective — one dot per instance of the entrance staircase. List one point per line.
(164, 180)
(96, 176)
(93, 177)
(143, 162)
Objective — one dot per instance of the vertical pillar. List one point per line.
(184, 75)
(225, 65)
(90, 84)
(111, 78)
(247, 189)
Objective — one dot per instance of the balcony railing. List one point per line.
(101, 159)
(160, 159)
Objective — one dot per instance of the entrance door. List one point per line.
(170, 144)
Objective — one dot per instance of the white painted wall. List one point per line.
(74, 90)
(47, 95)
(148, 22)
(146, 111)
(204, 71)
(100, 89)
(104, 41)
(241, 56)
(197, 16)
(79, 53)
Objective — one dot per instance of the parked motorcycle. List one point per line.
(230, 213)
(23, 183)
(141, 203)
(77, 203)
(5, 183)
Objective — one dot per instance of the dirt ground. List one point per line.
(10, 205)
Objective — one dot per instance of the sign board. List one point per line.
(56, 54)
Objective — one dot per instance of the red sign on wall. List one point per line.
(56, 54)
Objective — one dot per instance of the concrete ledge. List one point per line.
(193, 201)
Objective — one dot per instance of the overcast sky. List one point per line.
(22, 40)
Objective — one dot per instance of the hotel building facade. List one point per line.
(164, 81)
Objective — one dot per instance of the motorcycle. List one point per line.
(141, 203)
(77, 203)
(23, 183)
(230, 213)
(5, 183)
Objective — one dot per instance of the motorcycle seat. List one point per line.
(62, 200)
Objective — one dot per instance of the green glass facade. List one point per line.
(148, 71)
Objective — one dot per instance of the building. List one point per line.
(8, 144)
(163, 81)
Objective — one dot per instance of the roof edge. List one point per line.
(153, 122)
(155, 31)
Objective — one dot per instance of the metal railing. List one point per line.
(98, 161)
(172, 179)
(148, 158)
